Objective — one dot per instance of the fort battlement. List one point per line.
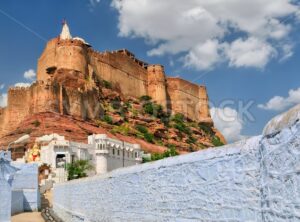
(18, 89)
(71, 42)
(100, 55)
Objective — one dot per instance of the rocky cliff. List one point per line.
(134, 120)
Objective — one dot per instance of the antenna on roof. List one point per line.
(63, 22)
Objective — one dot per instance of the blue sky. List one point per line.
(242, 51)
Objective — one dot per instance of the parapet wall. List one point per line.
(253, 180)
(19, 106)
(121, 69)
(188, 98)
(24, 101)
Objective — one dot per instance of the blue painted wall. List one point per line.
(253, 180)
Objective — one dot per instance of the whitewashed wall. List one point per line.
(254, 180)
(5, 201)
(26, 180)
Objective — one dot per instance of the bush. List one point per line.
(124, 129)
(191, 140)
(107, 119)
(149, 137)
(182, 128)
(146, 159)
(128, 105)
(148, 108)
(78, 169)
(116, 103)
(178, 118)
(172, 151)
(180, 125)
(154, 109)
(216, 141)
(169, 153)
(207, 129)
(145, 98)
(141, 129)
(145, 134)
(107, 84)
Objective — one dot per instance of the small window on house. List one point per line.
(113, 151)
(118, 152)
(136, 154)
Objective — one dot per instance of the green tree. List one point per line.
(78, 169)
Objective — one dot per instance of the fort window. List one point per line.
(51, 70)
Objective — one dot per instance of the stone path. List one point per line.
(28, 217)
(34, 216)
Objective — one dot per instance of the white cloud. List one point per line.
(2, 86)
(203, 56)
(279, 103)
(94, 2)
(228, 122)
(22, 84)
(3, 100)
(251, 52)
(30, 74)
(188, 27)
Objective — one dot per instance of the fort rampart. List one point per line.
(75, 61)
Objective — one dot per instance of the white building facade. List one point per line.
(104, 153)
(111, 154)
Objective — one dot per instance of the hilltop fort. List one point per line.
(70, 74)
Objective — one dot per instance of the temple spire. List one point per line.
(65, 33)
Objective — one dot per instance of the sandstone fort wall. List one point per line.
(18, 107)
(157, 87)
(188, 98)
(121, 70)
(47, 60)
(24, 101)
